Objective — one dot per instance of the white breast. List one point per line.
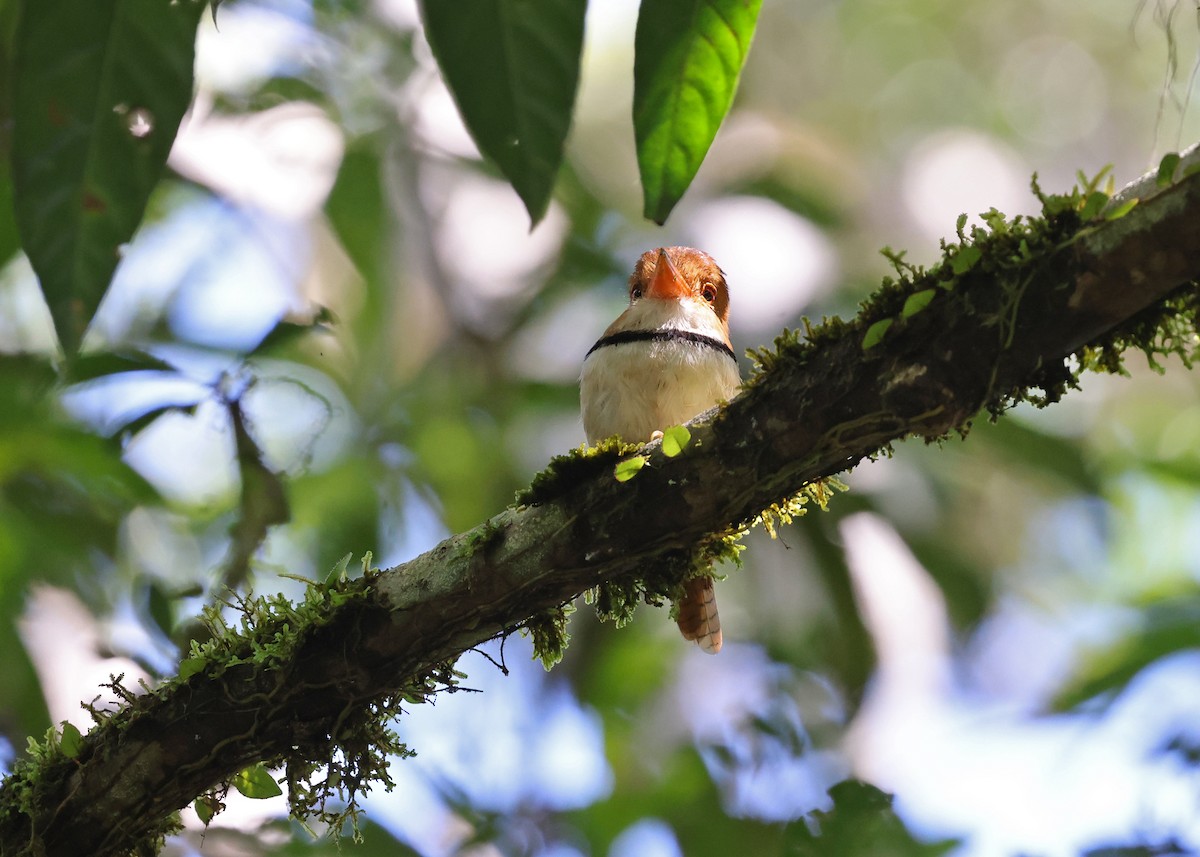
(633, 389)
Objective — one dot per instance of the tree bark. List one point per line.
(806, 417)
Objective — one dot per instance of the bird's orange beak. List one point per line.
(667, 282)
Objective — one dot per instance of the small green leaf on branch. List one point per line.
(1166, 169)
(1121, 210)
(875, 333)
(1092, 204)
(338, 572)
(627, 469)
(916, 302)
(71, 740)
(188, 667)
(675, 440)
(965, 259)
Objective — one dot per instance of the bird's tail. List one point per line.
(698, 618)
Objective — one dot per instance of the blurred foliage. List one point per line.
(860, 822)
(92, 128)
(423, 367)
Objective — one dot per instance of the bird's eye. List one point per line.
(635, 293)
(709, 292)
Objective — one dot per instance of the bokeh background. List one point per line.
(1000, 631)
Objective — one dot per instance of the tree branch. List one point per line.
(1002, 324)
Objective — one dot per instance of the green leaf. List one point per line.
(627, 469)
(1090, 185)
(71, 740)
(356, 208)
(965, 259)
(688, 56)
(256, 782)
(675, 440)
(100, 89)
(188, 667)
(158, 607)
(916, 302)
(9, 242)
(338, 572)
(263, 504)
(875, 332)
(1165, 628)
(9, 15)
(206, 806)
(101, 364)
(861, 821)
(286, 334)
(1166, 169)
(1092, 204)
(1121, 210)
(137, 423)
(513, 68)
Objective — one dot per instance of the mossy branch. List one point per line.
(1013, 313)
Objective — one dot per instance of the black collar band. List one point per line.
(665, 335)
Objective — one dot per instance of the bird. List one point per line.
(666, 359)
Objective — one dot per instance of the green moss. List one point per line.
(988, 269)
(548, 629)
(818, 493)
(1167, 329)
(45, 766)
(326, 775)
(617, 600)
(326, 778)
(566, 472)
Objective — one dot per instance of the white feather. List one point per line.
(633, 389)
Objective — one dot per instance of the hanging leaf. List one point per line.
(263, 504)
(688, 56)
(100, 87)
(256, 782)
(9, 243)
(513, 68)
(207, 806)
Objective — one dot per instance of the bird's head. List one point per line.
(685, 276)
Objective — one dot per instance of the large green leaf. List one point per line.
(100, 88)
(688, 58)
(8, 226)
(357, 212)
(513, 67)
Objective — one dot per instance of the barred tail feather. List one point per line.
(698, 619)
